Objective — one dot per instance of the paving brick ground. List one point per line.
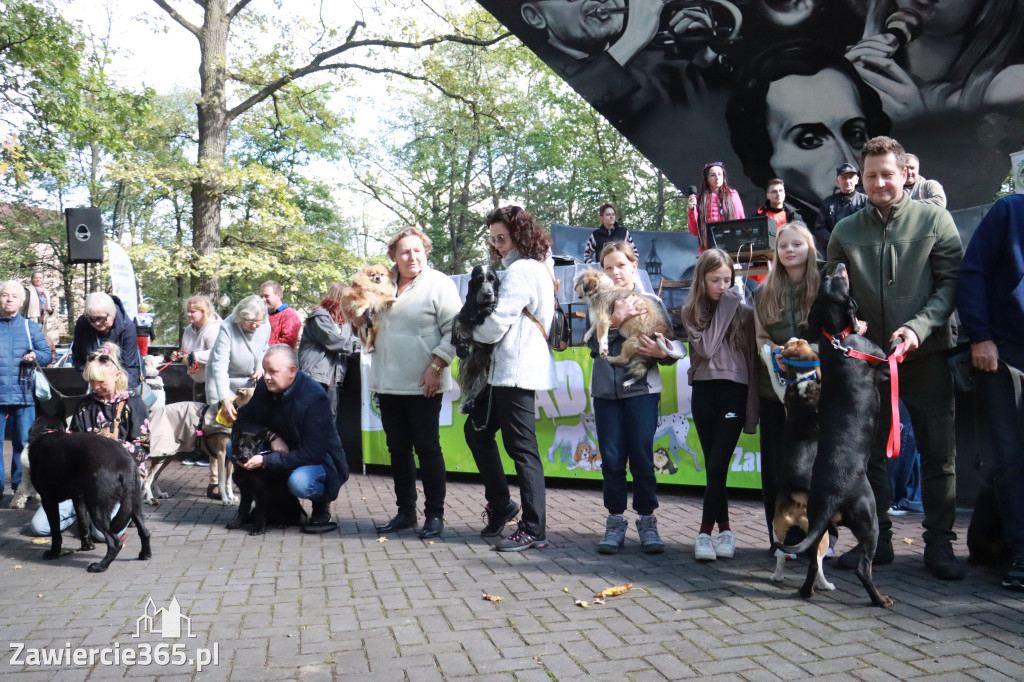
(288, 606)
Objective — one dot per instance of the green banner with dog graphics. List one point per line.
(567, 436)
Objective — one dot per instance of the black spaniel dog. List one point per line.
(474, 357)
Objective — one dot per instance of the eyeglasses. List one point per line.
(103, 358)
(712, 164)
(496, 239)
(96, 319)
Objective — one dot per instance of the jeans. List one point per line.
(66, 512)
(307, 482)
(23, 416)
(411, 424)
(511, 410)
(1002, 416)
(905, 470)
(926, 386)
(625, 431)
(719, 409)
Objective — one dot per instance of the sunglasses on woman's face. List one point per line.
(96, 319)
(497, 239)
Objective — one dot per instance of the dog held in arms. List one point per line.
(95, 473)
(599, 293)
(799, 449)
(474, 357)
(264, 495)
(372, 291)
(848, 413)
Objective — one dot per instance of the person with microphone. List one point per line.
(934, 56)
(715, 201)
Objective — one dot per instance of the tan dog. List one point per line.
(598, 291)
(213, 443)
(799, 449)
(372, 290)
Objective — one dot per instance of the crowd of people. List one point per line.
(900, 247)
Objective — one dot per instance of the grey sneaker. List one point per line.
(725, 545)
(614, 535)
(703, 548)
(650, 541)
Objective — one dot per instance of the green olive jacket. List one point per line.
(903, 270)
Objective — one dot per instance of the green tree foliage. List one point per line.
(494, 125)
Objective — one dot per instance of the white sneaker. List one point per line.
(725, 544)
(704, 549)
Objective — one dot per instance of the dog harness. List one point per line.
(892, 446)
(801, 376)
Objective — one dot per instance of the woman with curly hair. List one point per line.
(522, 364)
(720, 330)
(714, 202)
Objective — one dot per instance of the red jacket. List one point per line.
(285, 326)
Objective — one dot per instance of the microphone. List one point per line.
(692, 189)
(904, 25)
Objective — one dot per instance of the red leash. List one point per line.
(892, 446)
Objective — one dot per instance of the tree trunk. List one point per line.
(207, 191)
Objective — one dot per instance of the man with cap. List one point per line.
(845, 201)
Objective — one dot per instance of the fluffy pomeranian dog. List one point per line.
(372, 290)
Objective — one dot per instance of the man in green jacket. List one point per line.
(903, 257)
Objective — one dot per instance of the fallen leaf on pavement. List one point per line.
(584, 604)
(909, 541)
(492, 597)
(615, 591)
(382, 539)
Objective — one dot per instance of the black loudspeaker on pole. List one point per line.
(85, 235)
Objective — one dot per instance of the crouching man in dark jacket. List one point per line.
(296, 408)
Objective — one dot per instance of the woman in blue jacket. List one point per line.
(22, 346)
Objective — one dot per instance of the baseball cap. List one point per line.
(846, 168)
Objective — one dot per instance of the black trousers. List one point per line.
(512, 411)
(926, 388)
(719, 409)
(411, 423)
(773, 424)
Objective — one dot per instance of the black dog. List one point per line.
(95, 473)
(847, 412)
(474, 357)
(263, 494)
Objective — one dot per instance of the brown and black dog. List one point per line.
(847, 414)
(799, 449)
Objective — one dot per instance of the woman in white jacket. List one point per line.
(522, 364)
(196, 343)
(409, 374)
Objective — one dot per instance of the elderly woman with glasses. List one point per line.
(410, 373)
(105, 322)
(237, 355)
(714, 202)
(109, 410)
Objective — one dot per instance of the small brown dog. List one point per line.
(372, 290)
(598, 291)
